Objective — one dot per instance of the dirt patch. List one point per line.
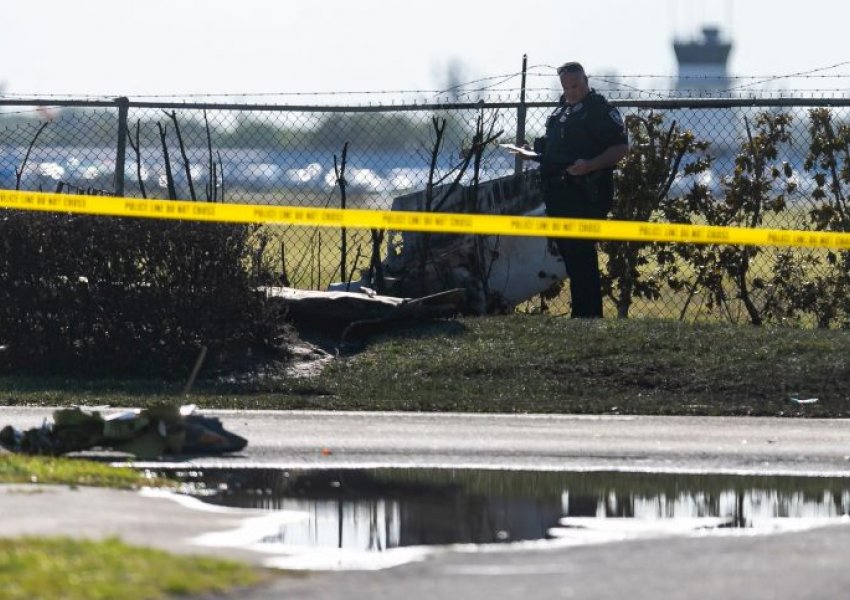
(304, 360)
(307, 360)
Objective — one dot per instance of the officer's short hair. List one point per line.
(571, 67)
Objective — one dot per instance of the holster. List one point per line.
(591, 184)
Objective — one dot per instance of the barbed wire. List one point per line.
(791, 75)
(496, 83)
(504, 76)
(617, 80)
(490, 102)
(94, 97)
(613, 90)
(699, 77)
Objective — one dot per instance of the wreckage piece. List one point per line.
(207, 435)
(497, 272)
(146, 433)
(354, 315)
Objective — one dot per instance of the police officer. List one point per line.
(585, 139)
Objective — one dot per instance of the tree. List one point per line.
(643, 183)
(818, 284)
(759, 184)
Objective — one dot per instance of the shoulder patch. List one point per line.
(616, 116)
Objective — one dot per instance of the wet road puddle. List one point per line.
(372, 518)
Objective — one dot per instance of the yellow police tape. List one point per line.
(419, 221)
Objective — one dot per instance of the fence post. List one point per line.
(520, 117)
(121, 151)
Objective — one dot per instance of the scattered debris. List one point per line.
(426, 276)
(803, 400)
(145, 433)
(358, 314)
(496, 272)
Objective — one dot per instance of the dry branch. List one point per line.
(169, 177)
(20, 173)
(186, 166)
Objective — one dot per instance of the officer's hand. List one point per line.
(580, 167)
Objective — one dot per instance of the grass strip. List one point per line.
(67, 471)
(70, 569)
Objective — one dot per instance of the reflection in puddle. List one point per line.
(381, 509)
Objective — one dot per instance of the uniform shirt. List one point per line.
(582, 130)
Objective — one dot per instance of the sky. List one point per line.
(213, 47)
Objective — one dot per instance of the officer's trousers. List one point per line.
(566, 197)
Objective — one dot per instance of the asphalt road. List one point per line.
(808, 564)
(550, 442)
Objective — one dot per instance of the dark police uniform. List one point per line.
(583, 130)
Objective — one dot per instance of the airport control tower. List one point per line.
(702, 64)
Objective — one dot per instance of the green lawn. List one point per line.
(531, 363)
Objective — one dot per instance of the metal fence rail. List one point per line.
(296, 155)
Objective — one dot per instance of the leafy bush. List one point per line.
(94, 295)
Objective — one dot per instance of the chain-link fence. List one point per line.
(781, 163)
